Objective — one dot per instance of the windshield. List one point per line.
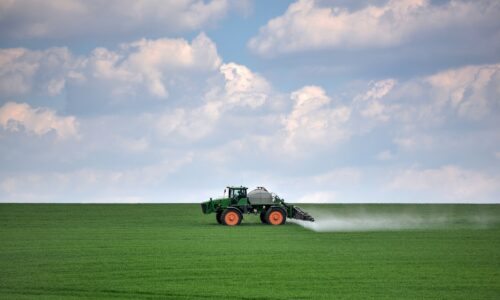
(237, 193)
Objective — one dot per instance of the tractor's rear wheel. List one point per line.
(263, 217)
(218, 216)
(231, 217)
(275, 216)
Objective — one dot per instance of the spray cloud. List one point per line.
(362, 220)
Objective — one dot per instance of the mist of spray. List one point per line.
(370, 221)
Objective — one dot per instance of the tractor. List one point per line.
(272, 209)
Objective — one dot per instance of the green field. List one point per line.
(175, 252)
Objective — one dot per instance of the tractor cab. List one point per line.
(237, 192)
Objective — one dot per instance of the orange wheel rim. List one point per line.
(275, 218)
(231, 218)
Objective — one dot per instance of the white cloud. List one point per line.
(466, 93)
(146, 68)
(231, 119)
(470, 91)
(17, 116)
(312, 120)
(103, 63)
(149, 64)
(75, 18)
(451, 182)
(23, 71)
(13, 76)
(241, 89)
(186, 125)
(370, 104)
(154, 63)
(307, 24)
(244, 87)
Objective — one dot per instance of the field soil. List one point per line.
(173, 251)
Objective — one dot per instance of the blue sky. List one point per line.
(319, 101)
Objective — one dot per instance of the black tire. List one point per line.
(231, 212)
(272, 212)
(263, 217)
(218, 216)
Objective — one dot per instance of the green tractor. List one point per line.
(272, 209)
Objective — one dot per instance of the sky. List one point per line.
(319, 101)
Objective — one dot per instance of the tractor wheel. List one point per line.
(275, 216)
(218, 216)
(231, 217)
(263, 217)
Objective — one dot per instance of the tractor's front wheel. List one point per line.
(231, 217)
(218, 216)
(275, 216)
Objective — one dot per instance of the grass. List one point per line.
(175, 252)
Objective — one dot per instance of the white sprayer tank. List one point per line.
(260, 196)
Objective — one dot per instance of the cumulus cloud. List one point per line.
(153, 62)
(470, 91)
(370, 103)
(232, 118)
(150, 65)
(466, 93)
(312, 120)
(243, 87)
(148, 68)
(76, 18)
(183, 125)
(424, 115)
(452, 182)
(39, 121)
(309, 24)
(24, 71)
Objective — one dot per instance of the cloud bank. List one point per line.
(76, 18)
(310, 25)
(39, 121)
(366, 101)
